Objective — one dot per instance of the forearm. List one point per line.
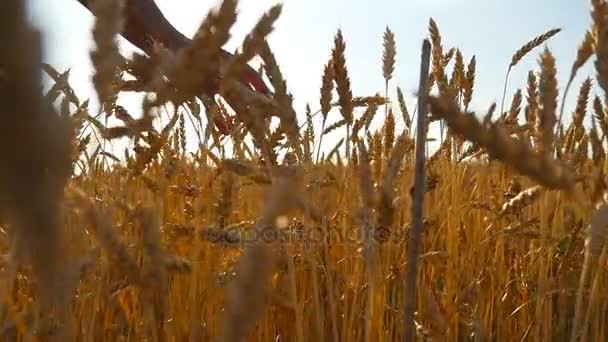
(146, 24)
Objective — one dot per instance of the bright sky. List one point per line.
(302, 41)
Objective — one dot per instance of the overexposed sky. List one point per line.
(302, 41)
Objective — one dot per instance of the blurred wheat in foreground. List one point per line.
(257, 234)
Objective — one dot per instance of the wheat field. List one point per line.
(265, 232)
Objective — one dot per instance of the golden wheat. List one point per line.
(251, 238)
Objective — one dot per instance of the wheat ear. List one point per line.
(500, 145)
(585, 50)
(522, 52)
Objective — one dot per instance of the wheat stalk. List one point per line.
(600, 25)
(286, 114)
(343, 84)
(511, 116)
(35, 145)
(594, 245)
(403, 107)
(520, 201)
(548, 99)
(368, 222)
(389, 133)
(581, 107)
(469, 82)
(584, 52)
(437, 53)
(388, 56)
(105, 57)
(457, 81)
(598, 152)
(532, 103)
(522, 52)
(327, 87)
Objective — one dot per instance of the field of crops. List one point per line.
(268, 233)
